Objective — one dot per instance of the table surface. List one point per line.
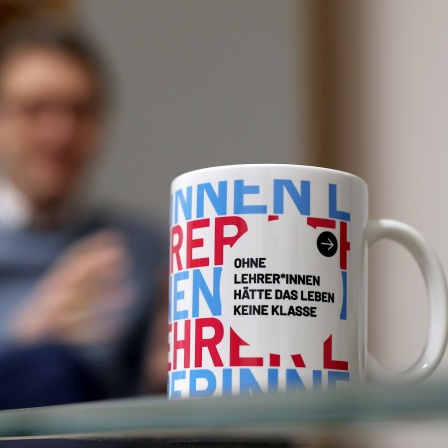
(357, 416)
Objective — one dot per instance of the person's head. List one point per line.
(52, 99)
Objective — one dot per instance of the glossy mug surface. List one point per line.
(268, 282)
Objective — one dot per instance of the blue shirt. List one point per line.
(25, 256)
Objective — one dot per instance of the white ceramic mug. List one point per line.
(268, 282)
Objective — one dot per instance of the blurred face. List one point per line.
(49, 123)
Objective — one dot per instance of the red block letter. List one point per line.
(344, 245)
(221, 240)
(209, 343)
(235, 359)
(193, 243)
(170, 327)
(329, 362)
(182, 344)
(175, 248)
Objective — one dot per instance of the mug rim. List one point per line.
(274, 165)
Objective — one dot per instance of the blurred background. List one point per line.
(347, 84)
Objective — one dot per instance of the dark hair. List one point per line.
(43, 35)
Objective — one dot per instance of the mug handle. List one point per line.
(436, 289)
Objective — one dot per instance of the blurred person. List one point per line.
(80, 287)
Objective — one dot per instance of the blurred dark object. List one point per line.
(57, 11)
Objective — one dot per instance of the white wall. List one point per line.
(391, 128)
(410, 133)
(201, 83)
